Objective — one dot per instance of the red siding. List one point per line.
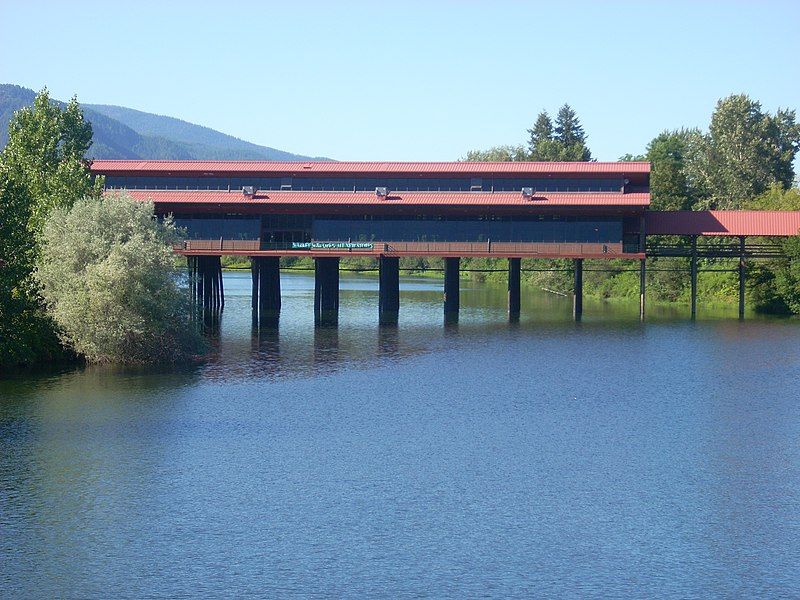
(474, 199)
(199, 167)
(723, 222)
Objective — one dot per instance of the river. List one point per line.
(543, 458)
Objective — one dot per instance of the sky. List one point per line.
(409, 80)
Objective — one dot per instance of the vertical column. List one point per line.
(514, 268)
(326, 291)
(741, 276)
(694, 277)
(190, 270)
(451, 288)
(388, 290)
(205, 263)
(254, 276)
(269, 289)
(642, 287)
(577, 301)
(198, 278)
(221, 283)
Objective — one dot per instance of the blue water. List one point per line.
(544, 458)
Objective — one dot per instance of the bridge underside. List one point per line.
(417, 249)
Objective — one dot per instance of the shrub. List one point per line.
(109, 281)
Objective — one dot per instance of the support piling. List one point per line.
(451, 288)
(514, 269)
(388, 290)
(326, 291)
(577, 301)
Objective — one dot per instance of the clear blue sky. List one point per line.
(408, 80)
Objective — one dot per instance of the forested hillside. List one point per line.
(121, 132)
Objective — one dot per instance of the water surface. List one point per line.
(541, 458)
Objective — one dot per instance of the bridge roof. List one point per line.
(723, 222)
(473, 199)
(206, 167)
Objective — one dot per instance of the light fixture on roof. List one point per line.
(527, 192)
(381, 192)
(249, 190)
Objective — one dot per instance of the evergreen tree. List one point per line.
(541, 146)
(570, 136)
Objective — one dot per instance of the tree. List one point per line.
(41, 167)
(669, 186)
(497, 154)
(570, 136)
(744, 152)
(25, 332)
(541, 144)
(108, 277)
(775, 284)
(46, 152)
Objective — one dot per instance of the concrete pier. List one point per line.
(451, 288)
(577, 301)
(326, 291)
(388, 290)
(266, 302)
(514, 303)
(206, 282)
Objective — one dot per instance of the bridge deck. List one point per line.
(409, 249)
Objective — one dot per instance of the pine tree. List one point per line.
(570, 136)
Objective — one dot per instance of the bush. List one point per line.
(109, 281)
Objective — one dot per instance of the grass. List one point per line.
(667, 284)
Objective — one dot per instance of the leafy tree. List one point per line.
(669, 186)
(41, 167)
(25, 332)
(570, 136)
(744, 152)
(108, 277)
(497, 154)
(45, 152)
(775, 285)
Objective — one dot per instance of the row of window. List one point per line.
(467, 231)
(281, 228)
(349, 184)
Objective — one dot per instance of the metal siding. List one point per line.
(723, 223)
(109, 167)
(398, 199)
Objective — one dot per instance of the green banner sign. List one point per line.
(332, 245)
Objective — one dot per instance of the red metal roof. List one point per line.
(544, 199)
(723, 222)
(109, 167)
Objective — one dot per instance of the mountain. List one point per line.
(121, 132)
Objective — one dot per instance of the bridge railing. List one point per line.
(487, 248)
(503, 248)
(220, 244)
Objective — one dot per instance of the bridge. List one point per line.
(388, 210)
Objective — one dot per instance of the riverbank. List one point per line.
(614, 281)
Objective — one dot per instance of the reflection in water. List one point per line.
(326, 345)
(388, 341)
(538, 457)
